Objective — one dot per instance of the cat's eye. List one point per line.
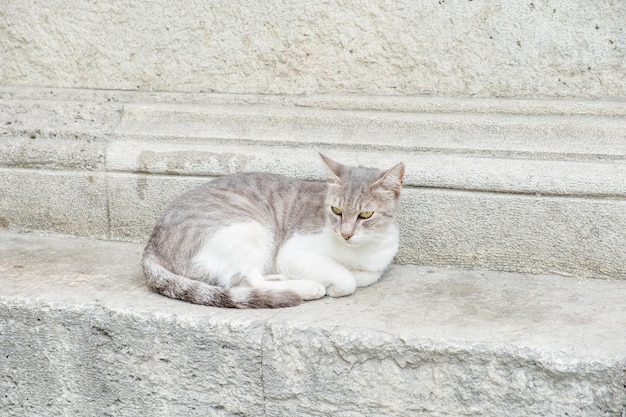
(365, 214)
(336, 210)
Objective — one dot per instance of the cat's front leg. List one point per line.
(337, 279)
(365, 278)
(341, 284)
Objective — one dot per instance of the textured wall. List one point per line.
(534, 48)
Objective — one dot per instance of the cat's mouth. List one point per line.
(350, 241)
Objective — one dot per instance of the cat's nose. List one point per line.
(346, 236)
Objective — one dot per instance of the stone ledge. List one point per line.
(504, 184)
(81, 334)
(566, 147)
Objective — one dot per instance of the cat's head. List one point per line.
(362, 202)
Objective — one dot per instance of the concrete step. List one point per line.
(516, 185)
(80, 334)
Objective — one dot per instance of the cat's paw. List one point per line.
(308, 290)
(341, 289)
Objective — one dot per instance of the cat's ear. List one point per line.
(334, 168)
(392, 179)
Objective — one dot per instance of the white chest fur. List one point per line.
(336, 264)
(372, 255)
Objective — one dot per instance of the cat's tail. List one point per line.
(165, 282)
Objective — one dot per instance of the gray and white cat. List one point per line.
(256, 240)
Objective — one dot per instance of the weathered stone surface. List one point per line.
(471, 170)
(488, 48)
(93, 361)
(51, 152)
(72, 202)
(579, 237)
(81, 334)
(468, 131)
(40, 111)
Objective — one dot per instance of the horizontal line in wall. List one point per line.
(609, 107)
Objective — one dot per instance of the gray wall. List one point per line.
(556, 48)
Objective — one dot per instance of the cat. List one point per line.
(261, 240)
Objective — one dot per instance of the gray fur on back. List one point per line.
(284, 205)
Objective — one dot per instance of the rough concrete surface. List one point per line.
(469, 48)
(81, 335)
